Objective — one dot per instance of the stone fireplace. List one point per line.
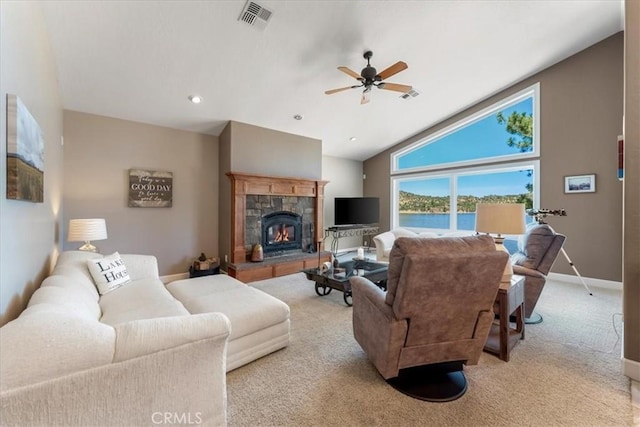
(282, 224)
(284, 215)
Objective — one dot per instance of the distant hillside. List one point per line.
(410, 202)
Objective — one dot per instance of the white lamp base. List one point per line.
(88, 247)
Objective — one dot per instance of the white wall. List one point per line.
(29, 232)
(345, 180)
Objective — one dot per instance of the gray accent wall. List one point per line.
(98, 153)
(30, 233)
(581, 117)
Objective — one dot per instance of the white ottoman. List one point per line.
(259, 322)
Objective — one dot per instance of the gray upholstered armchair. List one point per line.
(435, 315)
(537, 251)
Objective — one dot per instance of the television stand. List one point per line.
(338, 232)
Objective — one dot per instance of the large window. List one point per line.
(489, 157)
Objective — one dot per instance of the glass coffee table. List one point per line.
(338, 279)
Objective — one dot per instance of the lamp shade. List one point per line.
(84, 230)
(500, 218)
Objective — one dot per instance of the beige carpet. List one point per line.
(565, 373)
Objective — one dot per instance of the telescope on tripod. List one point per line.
(540, 215)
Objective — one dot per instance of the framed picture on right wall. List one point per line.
(580, 184)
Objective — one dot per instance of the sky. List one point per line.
(481, 139)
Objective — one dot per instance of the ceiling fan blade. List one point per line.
(329, 92)
(395, 86)
(394, 69)
(365, 97)
(350, 72)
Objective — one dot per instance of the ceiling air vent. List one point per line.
(255, 15)
(411, 94)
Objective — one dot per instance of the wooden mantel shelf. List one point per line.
(243, 184)
(274, 185)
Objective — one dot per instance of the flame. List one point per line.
(283, 235)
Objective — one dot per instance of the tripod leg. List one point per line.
(576, 270)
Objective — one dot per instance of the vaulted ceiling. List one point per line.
(141, 60)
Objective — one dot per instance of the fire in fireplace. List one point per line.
(281, 231)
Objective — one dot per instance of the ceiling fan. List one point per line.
(369, 78)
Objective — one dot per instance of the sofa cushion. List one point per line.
(248, 309)
(140, 299)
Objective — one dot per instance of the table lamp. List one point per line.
(85, 230)
(499, 219)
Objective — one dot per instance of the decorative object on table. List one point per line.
(25, 153)
(150, 189)
(499, 219)
(257, 254)
(360, 253)
(204, 263)
(86, 230)
(336, 263)
(326, 267)
(580, 184)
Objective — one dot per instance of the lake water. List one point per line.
(466, 221)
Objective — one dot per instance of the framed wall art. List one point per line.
(150, 189)
(580, 184)
(25, 153)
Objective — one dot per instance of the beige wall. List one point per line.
(345, 180)
(631, 280)
(29, 232)
(581, 116)
(98, 153)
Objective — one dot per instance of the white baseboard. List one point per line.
(173, 277)
(596, 283)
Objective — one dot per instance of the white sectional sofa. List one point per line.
(137, 355)
(384, 241)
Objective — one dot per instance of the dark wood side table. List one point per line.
(199, 273)
(509, 301)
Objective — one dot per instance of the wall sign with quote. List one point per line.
(150, 189)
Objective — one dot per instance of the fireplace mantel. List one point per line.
(243, 184)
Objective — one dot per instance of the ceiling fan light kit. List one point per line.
(369, 77)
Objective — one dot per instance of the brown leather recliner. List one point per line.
(537, 251)
(436, 312)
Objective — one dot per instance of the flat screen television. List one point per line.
(356, 210)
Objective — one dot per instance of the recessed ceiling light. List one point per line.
(298, 117)
(196, 99)
(353, 138)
